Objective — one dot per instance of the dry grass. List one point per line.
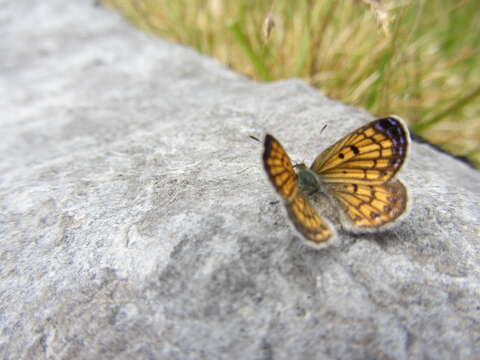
(417, 59)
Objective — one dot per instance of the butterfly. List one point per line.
(358, 173)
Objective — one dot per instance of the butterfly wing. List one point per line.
(317, 232)
(279, 168)
(371, 206)
(370, 155)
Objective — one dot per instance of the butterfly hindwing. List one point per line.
(316, 231)
(370, 155)
(371, 206)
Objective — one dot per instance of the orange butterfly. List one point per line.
(358, 172)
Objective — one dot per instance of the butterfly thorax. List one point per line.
(308, 181)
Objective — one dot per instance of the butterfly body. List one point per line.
(357, 173)
(308, 181)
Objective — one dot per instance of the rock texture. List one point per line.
(136, 221)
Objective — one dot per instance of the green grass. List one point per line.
(418, 59)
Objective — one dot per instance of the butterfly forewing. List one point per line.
(370, 155)
(371, 206)
(279, 168)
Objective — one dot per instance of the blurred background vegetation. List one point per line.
(418, 59)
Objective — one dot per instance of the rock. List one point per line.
(137, 222)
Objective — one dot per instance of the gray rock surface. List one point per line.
(136, 221)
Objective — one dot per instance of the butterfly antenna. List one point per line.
(323, 128)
